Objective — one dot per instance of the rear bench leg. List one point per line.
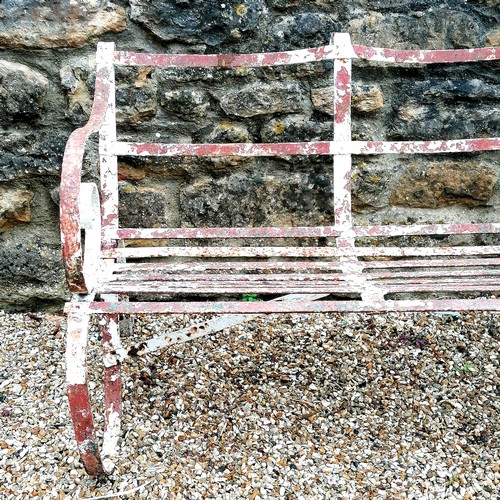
(78, 393)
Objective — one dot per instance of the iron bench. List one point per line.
(342, 275)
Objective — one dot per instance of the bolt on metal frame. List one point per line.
(101, 275)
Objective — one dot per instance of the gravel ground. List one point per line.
(288, 407)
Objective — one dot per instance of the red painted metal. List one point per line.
(297, 252)
(298, 232)
(360, 277)
(326, 52)
(323, 148)
(71, 179)
(427, 56)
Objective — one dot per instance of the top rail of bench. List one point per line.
(323, 53)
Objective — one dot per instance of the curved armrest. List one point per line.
(71, 185)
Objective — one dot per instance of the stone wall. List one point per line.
(46, 83)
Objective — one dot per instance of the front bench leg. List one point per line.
(94, 462)
(78, 392)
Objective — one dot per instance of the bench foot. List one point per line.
(94, 462)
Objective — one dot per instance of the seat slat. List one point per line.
(227, 252)
(306, 266)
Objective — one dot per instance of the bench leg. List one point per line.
(78, 393)
(112, 388)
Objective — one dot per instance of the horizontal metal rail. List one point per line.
(320, 148)
(228, 252)
(323, 53)
(305, 266)
(298, 306)
(300, 231)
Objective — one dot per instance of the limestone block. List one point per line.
(257, 198)
(210, 22)
(444, 184)
(296, 128)
(31, 153)
(436, 28)
(263, 98)
(231, 132)
(22, 92)
(493, 38)
(365, 98)
(136, 101)
(301, 31)
(142, 206)
(190, 104)
(14, 207)
(435, 109)
(60, 23)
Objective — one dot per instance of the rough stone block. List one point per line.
(258, 199)
(444, 184)
(211, 22)
(229, 132)
(436, 28)
(296, 128)
(190, 104)
(365, 98)
(493, 38)
(28, 153)
(42, 25)
(300, 31)
(436, 109)
(148, 205)
(264, 98)
(22, 92)
(14, 207)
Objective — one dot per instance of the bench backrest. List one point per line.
(341, 147)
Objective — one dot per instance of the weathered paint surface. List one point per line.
(299, 306)
(366, 274)
(327, 52)
(303, 148)
(71, 174)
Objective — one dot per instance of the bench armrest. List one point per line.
(71, 185)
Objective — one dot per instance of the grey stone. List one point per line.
(432, 29)
(28, 153)
(190, 104)
(262, 99)
(59, 23)
(31, 272)
(22, 92)
(449, 109)
(444, 184)
(14, 207)
(211, 22)
(142, 206)
(296, 128)
(302, 31)
(78, 80)
(258, 199)
(283, 4)
(136, 101)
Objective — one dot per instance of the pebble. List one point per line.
(284, 407)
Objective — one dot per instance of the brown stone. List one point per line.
(14, 207)
(365, 98)
(32, 25)
(493, 38)
(444, 184)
